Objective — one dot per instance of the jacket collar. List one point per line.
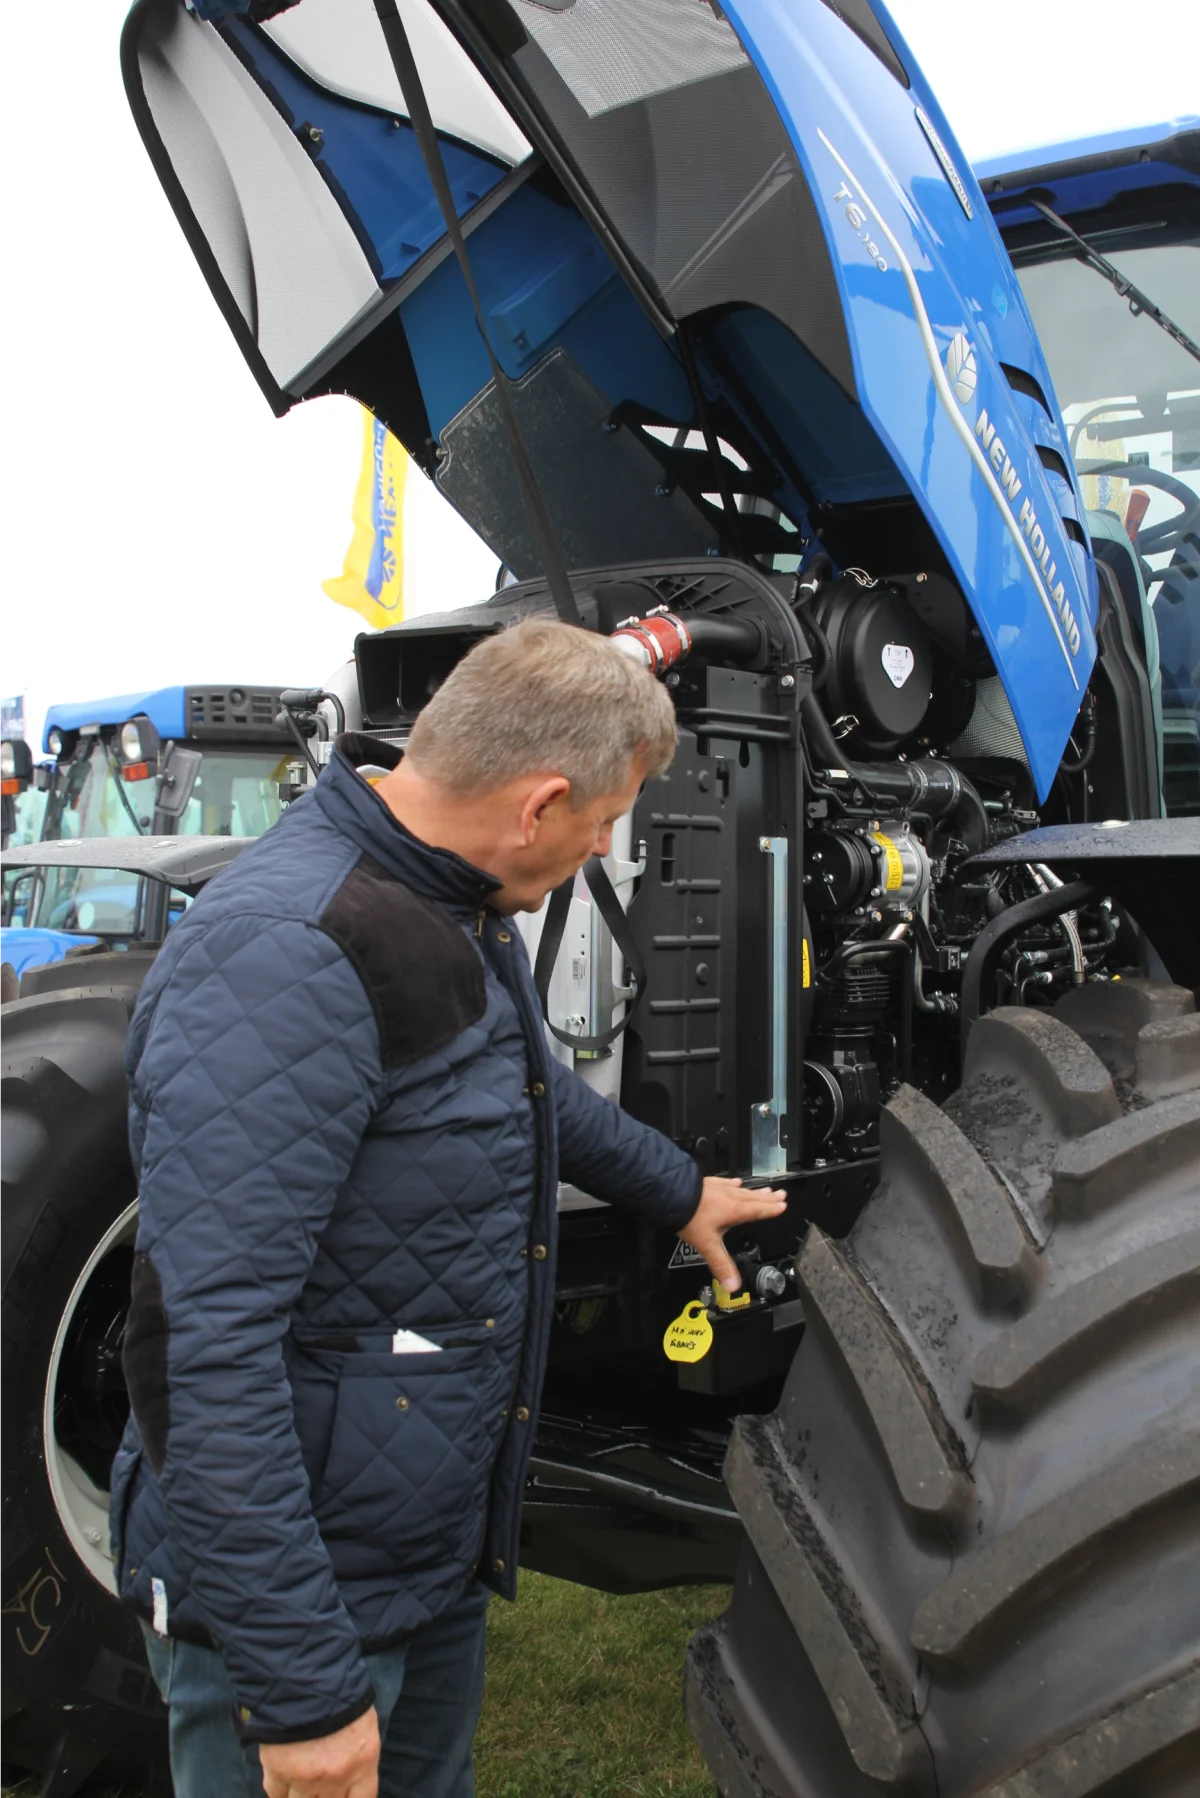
(357, 810)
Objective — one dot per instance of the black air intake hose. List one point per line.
(935, 788)
(736, 640)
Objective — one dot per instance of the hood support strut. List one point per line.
(548, 547)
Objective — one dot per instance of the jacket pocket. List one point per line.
(409, 1461)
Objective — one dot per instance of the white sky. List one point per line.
(159, 524)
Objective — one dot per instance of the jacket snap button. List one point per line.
(497, 1566)
(489, 1323)
(538, 1090)
(502, 936)
(522, 1413)
(402, 1404)
(539, 1251)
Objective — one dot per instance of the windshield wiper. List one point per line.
(1138, 301)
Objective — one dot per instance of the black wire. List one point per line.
(115, 766)
(339, 710)
(733, 517)
(305, 751)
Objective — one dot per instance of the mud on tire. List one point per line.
(79, 1704)
(974, 1561)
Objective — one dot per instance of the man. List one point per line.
(348, 1132)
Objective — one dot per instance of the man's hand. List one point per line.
(343, 1765)
(724, 1203)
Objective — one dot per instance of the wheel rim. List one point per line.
(81, 1503)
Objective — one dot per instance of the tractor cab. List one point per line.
(178, 761)
(1105, 237)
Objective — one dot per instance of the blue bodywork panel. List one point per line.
(164, 706)
(851, 305)
(37, 948)
(1091, 150)
(935, 317)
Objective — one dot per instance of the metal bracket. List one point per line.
(768, 1150)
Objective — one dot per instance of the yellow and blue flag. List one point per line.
(372, 580)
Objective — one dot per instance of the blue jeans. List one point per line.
(428, 1690)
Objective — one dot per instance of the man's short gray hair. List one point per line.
(544, 698)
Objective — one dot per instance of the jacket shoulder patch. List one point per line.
(144, 1360)
(422, 976)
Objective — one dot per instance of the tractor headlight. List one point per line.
(131, 743)
(54, 742)
(16, 766)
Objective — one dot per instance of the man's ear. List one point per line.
(551, 790)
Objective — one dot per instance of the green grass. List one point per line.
(584, 1695)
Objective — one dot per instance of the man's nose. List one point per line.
(603, 841)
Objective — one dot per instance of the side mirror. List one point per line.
(139, 745)
(16, 766)
(180, 768)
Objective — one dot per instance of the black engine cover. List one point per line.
(881, 667)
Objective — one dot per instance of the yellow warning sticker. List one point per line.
(805, 964)
(894, 877)
(689, 1336)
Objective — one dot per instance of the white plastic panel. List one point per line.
(289, 256)
(570, 983)
(340, 44)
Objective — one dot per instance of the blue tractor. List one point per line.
(1103, 238)
(176, 761)
(698, 315)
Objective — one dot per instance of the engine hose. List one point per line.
(1088, 750)
(803, 594)
(819, 644)
(733, 639)
(662, 638)
(936, 788)
(1047, 881)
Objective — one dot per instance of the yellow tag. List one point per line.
(805, 969)
(730, 1301)
(689, 1337)
(891, 855)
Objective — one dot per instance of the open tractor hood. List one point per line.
(731, 256)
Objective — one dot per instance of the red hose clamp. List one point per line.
(658, 640)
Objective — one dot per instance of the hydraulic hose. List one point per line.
(935, 788)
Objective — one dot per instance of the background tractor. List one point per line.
(178, 761)
(726, 372)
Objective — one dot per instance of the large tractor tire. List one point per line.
(974, 1555)
(80, 1707)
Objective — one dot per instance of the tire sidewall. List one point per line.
(73, 1655)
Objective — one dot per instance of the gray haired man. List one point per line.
(349, 1134)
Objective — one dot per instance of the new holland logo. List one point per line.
(960, 367)
(962, 374)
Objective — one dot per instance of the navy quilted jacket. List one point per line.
(345, 1123)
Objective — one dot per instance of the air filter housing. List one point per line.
(881, 667)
